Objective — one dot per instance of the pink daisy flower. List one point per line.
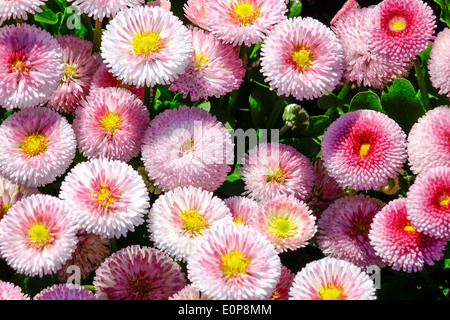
(195, 11)
(348, 6)
(38, 235)
(10, 193)
(429, 202)
(9, 291)
(244, 210)
(104, 78)
(361, 65)
(179, 218)
(165, 4)
(302, 57)
(80, 65)
(189, 292)
(271, 169)
(398, 243)
(138, 273)
(146, 46)
(400, 29)
(344, 230)
(363, 149)
(438, 67)
(281, 291)
(287, 222)
(110, 123)
(234, 262)
(187, 147)
(429, 140)
(107, 197)
(38, 145)
(240, 22)
(65, 291)
(215, 69)
(31, 66)
(100, 9)
(332, 279)
(19, 9)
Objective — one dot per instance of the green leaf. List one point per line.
(401, 103)
(306, 146)
(295, 9)
(366, 100)
(46, 16)
(329, 101)
(445, 10)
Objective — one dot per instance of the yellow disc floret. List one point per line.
(364, 149)
(331, 292)
(193, 222)
(281, 228)
(34, 144)
(234, 263)
(444, 201)
(111, 122)
(303, 58)
(147, 43)
(276, 175)
(397, 24)
(39, 235)
(245, 13)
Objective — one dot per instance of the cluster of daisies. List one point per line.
(66, 98)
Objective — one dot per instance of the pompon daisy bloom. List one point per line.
(240, 22)
(189, 292)
(234, 262)
(38, 145)
(271, 169)
(361, 65)
(287, 222)
(31, 66)
(138, 273)
(215, 69)
(110, 123)
(400, 29)
(343, 230)
(281, 291)
(363, 149)
(90, 252)
(38, 235)
(80, 65)
(179, 218)
(429, 202)
(429, 140)
(165, 4)
(9, 291)
(332, 279)
(146, 46)
(104, 78)
(348, 6)
(243, 209)
(100, 9)
(438, 66)
(10, 193)
(195, 11)
(65, 291)
(187, 147)
(398, 243)
(107, 197)
(302, 57)
(19, 9)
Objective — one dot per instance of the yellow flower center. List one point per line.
(34, 144)
(238, 219)
(4, 207)
(364, 149)
(397, 24)
(18, 65)
(245, 13)
(104, 196)
(303, 58)
(409, 227)
(200, 60)
(39, 234)
(275, 176)
(281, 228)
(69, 71)
(331, 292)
(234, 263)
(444, 201)
(147, 43)
(111, 122)
(193, 222)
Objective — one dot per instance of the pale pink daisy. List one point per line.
(243, 209)
(110, 123)
(271, 169)
(107, 197)
(363, 149)
(283, 287)
(429, 202)
(101, 9)
(38, 235)
(165, 4)
(398, 243)
(189, 292)
(10, 193)
(38, 145)
(400, 29)
(80, 65)
(10, 291)
(146, 46)
(19, 9)
(234, 262)
(31, 66)
(179, 218)
(245, 22)
(286, 222)
(214, 70)
(438, 66)
(429, 140)
(332, 279)
(65, 291)
(187, 147)
(138, 273)
(195, 11)
(343, 230)
(302, 57)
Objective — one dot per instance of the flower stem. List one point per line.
(112, 245)
(275, 111)
(422, 86)
(284, 129)
(19, 21)
(344, 91)
(97, 35)
(148, 100)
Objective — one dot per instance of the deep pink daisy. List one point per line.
(187, 147)
(283, 287)
(429, 140)
(344, 230)
(429, 202)
(400, 29)
(138, 273)
(398, 243)
(363, 149)
(243, 209)
(10, 291)
(10, 193)
(271, 169)
(65, 291)
(110, 123)
(31, 66)
(302, 57)
(438, 66)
